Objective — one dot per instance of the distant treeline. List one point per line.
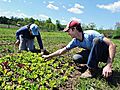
(45, 25)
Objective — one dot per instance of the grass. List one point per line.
(56, 40)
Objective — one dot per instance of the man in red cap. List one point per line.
(96, 48)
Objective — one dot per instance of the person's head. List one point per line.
(73, 24)
(73, 28)
(34, 29)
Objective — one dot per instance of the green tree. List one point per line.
(20, 23)
(52, 27)
(31, 20)
(4, 20)
(37, 22)
(90, 26)
(117, 26)
(49, 20)
(26, 20)
(58, 25)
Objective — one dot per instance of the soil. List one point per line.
(72, 81)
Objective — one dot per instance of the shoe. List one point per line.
(81, 68)
(82, 65)
(89, 73)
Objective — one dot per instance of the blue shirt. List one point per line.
(87, 42)
(25, 33)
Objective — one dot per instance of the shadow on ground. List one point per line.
(114, 79)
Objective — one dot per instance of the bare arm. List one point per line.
(56, 53)
(112, 50)
(107, 70)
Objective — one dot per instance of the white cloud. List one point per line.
(18, 10)
(51, 6)
(7, 1)
(78, 6)
(43, 17)
(51, 1)
(15, 14)
(64, 6)
(114, 7)
(74, 18)
(64, 21)
(19, 14)
(76, 9)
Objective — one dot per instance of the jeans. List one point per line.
(26, 44)
(98, 53)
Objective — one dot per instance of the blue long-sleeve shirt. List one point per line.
(25, 33)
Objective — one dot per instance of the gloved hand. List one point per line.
(44, 52)
(17, 43)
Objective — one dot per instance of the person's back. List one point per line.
(24, 32)
(25, 37)
(92, 32)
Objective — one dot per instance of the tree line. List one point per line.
(46, 25)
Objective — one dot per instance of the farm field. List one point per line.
(26, 70)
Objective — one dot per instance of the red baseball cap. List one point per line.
(71, 24)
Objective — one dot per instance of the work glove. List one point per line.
(44, 52)
(17, 43)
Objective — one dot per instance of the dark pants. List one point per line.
(98, 53)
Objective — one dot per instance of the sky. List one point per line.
(104, 13)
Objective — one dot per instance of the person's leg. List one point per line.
(99, 52)
(22, 45)
(80, 60)
(81, 57)
(30, 45)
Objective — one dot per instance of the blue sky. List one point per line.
(104, 13)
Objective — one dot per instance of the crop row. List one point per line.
(28, 70)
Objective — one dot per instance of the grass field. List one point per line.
(25, 70)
